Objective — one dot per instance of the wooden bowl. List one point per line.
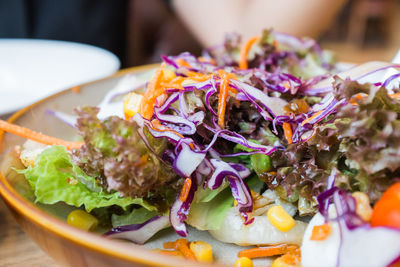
(66, 244)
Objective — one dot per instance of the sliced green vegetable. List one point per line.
(261, 163)
(55, 178)
(210, 215)
(136, 216)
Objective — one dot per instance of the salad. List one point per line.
(242, 142)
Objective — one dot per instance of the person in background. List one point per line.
(209, 20)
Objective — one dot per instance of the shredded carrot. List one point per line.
(302, 105)
(198, 76)
(223, 95)
(157, 126)
(174, 83)
(354, 98)
(183, 63)
(395, 95)
(76, 89)
(291, 259)
(206, 60)
(286, 84)
(38, 137)
(224, 89)
(321, 232)
(360, 96)
(267, 251)
(169, 245)
(169, 252)
(143, 159)
(185, 189)
(244, 51)
(287, 130)
(181, 245)
(312, 117)
(153, 91)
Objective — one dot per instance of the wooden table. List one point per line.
(16, 248)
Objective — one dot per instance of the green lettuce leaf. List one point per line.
(55, 178)
(209, 211)
(210, 215)
(136, 216)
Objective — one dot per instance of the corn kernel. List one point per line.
(363, 208)
(82, 220)
(202, 251)
(243, 262)
(132, 104)
(280, 218)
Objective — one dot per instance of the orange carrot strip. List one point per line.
(395, 95)
(321, 232)
(312, 117)
(287, 130)
(244, 50)
(38, 137)
(76, 89)
(224, 89)
(143, 159)
(185, 189)
(201, 78)
(183, 63)
(206, 60)
(174, 83)
(157, 126)
(182, 245)
(291, 259)
(198, 76)
(177, 82)
(169, 245)
(286, 84)
(153, 91)
(223, 95)
(266, 251)
(354, 98)
(170, 252)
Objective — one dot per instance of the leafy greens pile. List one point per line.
(207, 130)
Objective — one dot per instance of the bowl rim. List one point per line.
(90, 241)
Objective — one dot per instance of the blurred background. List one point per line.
(139, 31)
(365, 30)
(362, 30)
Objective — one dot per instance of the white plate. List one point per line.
(31, 69)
